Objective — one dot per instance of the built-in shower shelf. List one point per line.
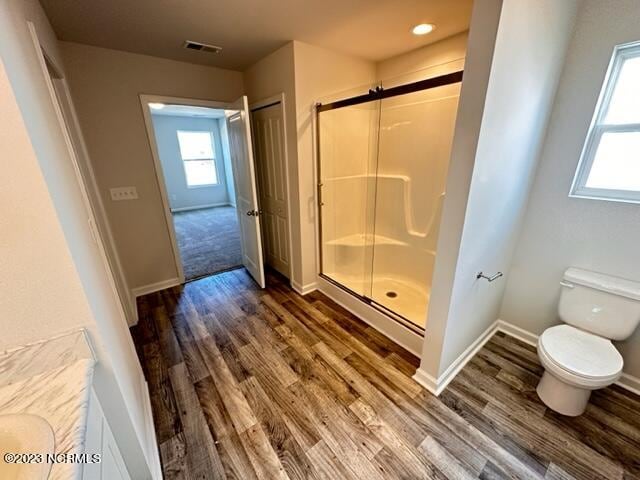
(359, 240)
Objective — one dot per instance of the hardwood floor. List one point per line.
(251, 384)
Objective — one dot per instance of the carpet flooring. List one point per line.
(208, 240)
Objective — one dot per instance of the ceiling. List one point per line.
(247, 30)
(188, 111)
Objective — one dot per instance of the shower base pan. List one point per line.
(396, 328)
(400, 299)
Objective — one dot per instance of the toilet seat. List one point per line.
(578, 357)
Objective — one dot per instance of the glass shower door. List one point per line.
(416, 132)
(347, 146)
(383, 163)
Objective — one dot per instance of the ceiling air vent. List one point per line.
(201, 47)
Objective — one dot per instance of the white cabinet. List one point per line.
(99, 439)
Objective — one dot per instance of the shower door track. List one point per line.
(380, 93)
(396, 317)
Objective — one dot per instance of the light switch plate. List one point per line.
(123, 193)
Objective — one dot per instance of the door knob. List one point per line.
(254, 213)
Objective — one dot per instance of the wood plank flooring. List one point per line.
(266, 384)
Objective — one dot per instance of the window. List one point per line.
(198, 157)
(609, 168)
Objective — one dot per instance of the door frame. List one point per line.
(267, 102)
(59, 93)
(145, 99)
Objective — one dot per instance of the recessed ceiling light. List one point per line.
(423, 29)
(156, 106)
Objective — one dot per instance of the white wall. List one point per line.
(481, 43)
(56, 277)
(318, 73)
(518, 100)
(182, 197)
(105, 85)
(41, 292)
(560, 231)
(431, 60)
(304, 73)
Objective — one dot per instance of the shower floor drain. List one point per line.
(391, 294)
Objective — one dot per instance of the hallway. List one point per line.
(262, 384)
(208, 240)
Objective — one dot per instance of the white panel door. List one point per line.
(246, 191)
(268, 132)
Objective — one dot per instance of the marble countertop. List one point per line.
(52, 379)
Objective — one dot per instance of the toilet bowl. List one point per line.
(575, 362)
(578, 356)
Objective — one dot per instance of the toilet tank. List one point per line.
(601, 304)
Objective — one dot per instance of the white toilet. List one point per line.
(578, 356)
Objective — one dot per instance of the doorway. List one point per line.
(195, 158)
(204, 165)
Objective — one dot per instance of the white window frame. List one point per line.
(598, 128)
(214, 159)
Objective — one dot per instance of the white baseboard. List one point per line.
(626, 381)
(155, 287)
(427, 381)
(133, 319)
(517, 332)
(304, 289)
(436, 386)
(153, 455)
(200, 207)
(630, 383)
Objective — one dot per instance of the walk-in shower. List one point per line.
(382, 165)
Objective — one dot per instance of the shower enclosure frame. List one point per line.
(379, 93)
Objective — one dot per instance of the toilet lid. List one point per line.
(580, 352)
